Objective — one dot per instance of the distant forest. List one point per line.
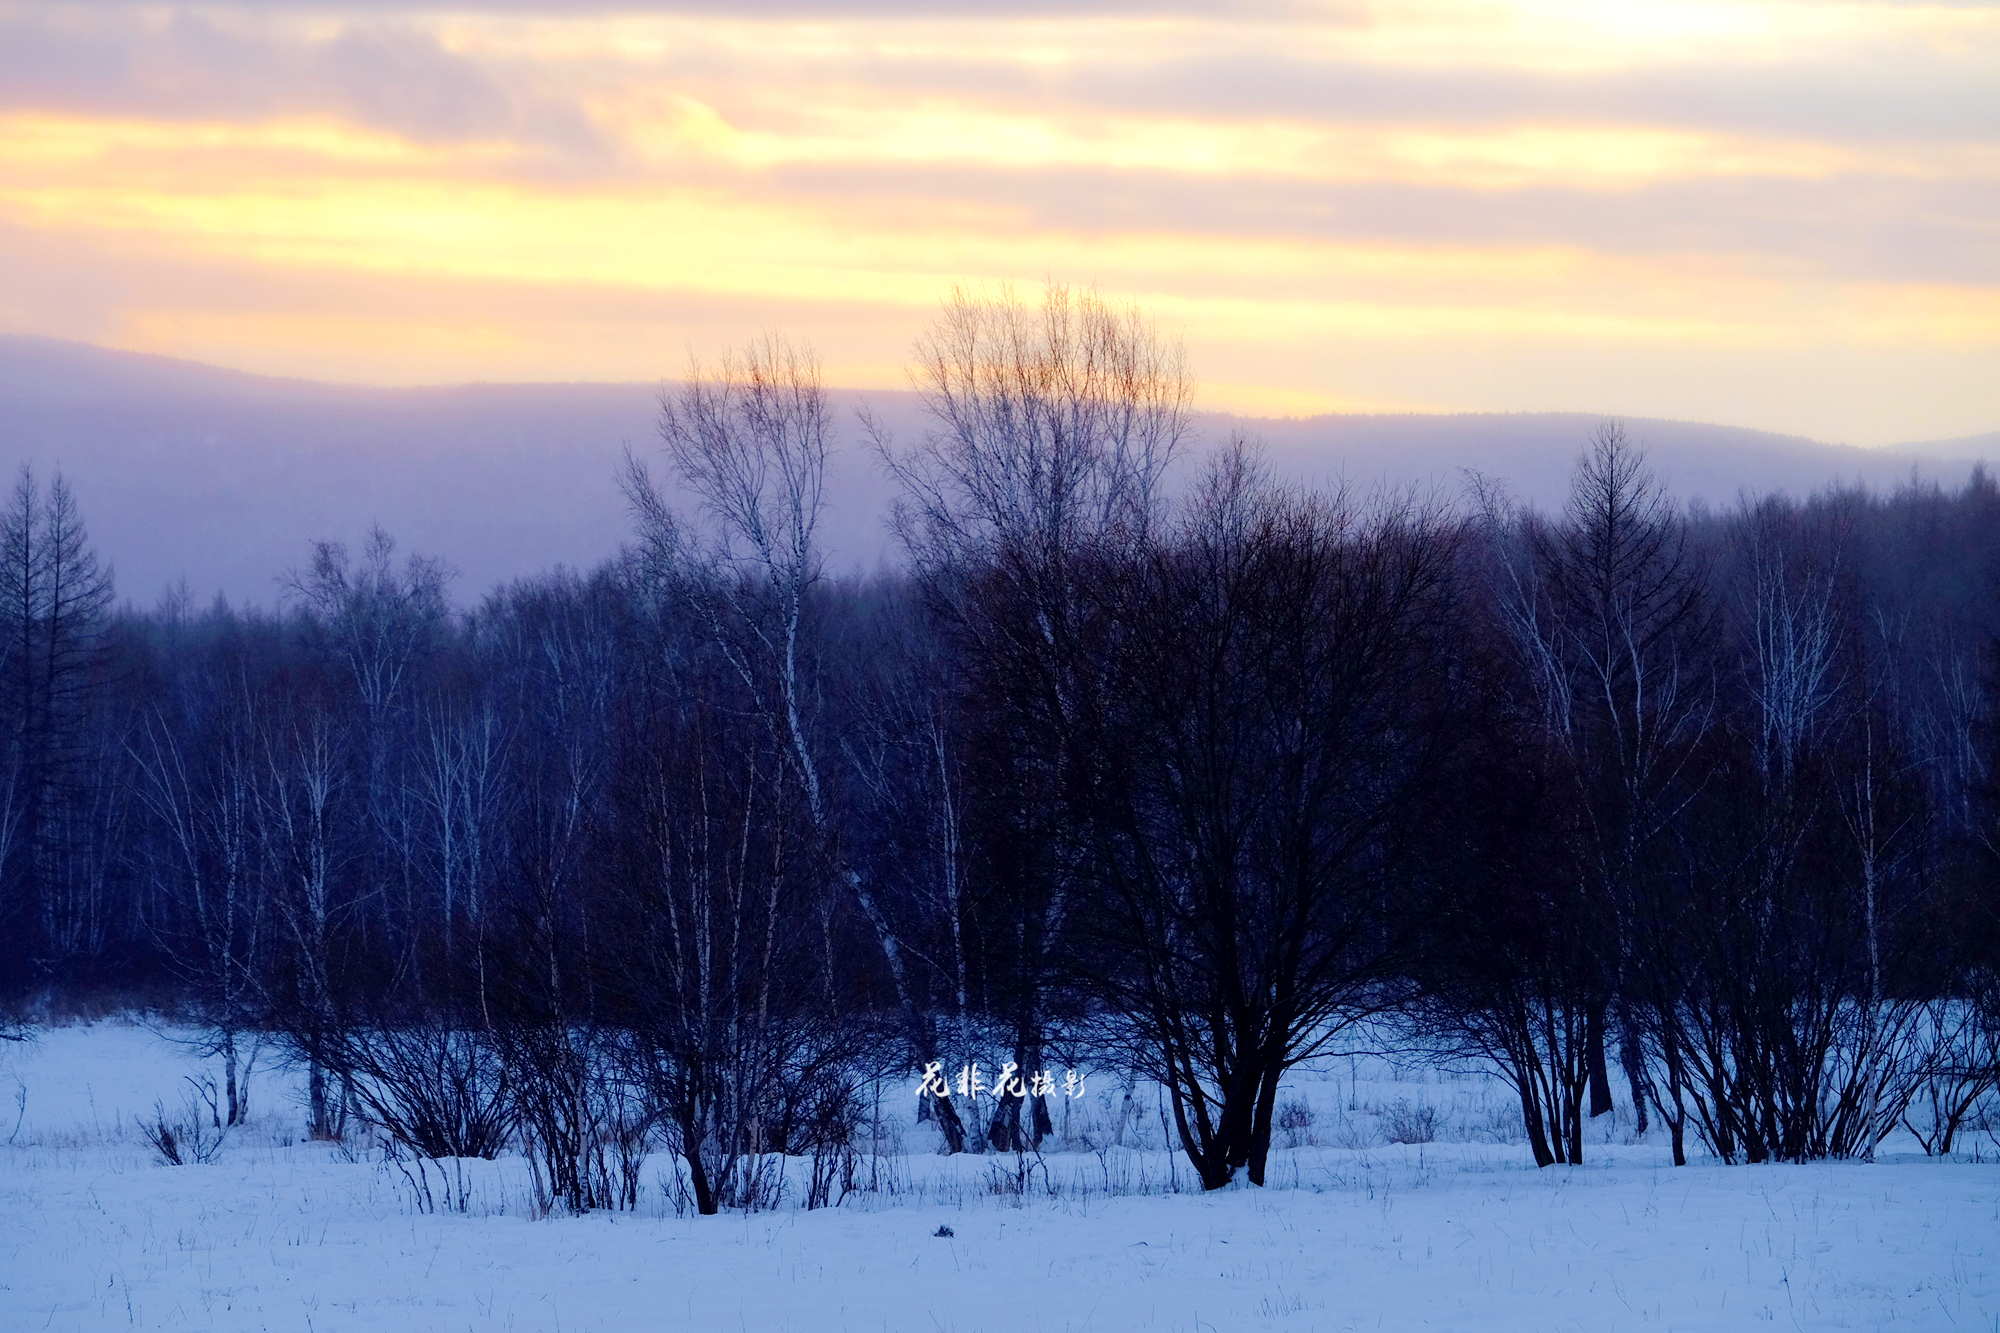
(681, 850)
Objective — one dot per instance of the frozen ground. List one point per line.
(1356, 1233)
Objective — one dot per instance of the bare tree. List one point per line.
(1275, 726)
(904, 747)
(203, 783)
(1052, 427)
(1884, 1055)
(1610, 612)
(557, 640)
(1796, 639)
(300, 818)
(379, 622)
(458, 779)
(1051, 430)
(717, 989)
(1793, 642)
(1791, 1003)
(750, 437)
(379, 619)
(54, 600)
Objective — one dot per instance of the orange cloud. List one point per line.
(1426, 204)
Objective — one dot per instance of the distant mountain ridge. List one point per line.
(224, 478)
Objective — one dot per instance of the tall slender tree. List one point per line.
(54, 604)
(1050, 429)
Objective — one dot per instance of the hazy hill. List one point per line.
(224, 478)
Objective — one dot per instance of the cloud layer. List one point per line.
(1781, 214)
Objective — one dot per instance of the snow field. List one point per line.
(1354, 1232)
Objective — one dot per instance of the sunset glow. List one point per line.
(1781, 215)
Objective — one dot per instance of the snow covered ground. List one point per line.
(1355, 1232)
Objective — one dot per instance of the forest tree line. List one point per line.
(1139, 760)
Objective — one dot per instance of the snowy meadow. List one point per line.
(1452, 1227)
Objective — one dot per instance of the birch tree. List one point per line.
(1050, 431)
(203, 783)
(749, 438)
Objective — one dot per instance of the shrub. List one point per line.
(1295, 1118)
(185, 1137)
(1406, 1123)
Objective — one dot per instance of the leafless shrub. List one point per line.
(20, 1109)
(1406, 1122)
(185, 1137)
(827, 1128)
(1295, 1118)
(431, 1186)
(1016, 1179)
(1964, 1073)
(1501, 1124)
(585, 1130)
(436, 1088)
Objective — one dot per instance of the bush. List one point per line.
(1295, 1118)
(189, 1136)
(436, 1088)
(1404, 1123)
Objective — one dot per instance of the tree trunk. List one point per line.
(1004, 1132)
(318, 1123)
(347, 1104)
(1633, 1057)
(705, 1202)
(940, 1106)
(1260, 1123)
(1043, 1125)
(1538, 1134)
(1028, 1057)
(1600, 1075)
(229, 1077)
(1676, 1115)
(1573, 1113)
(1125, 1105)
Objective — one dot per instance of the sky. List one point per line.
(1783, 215)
